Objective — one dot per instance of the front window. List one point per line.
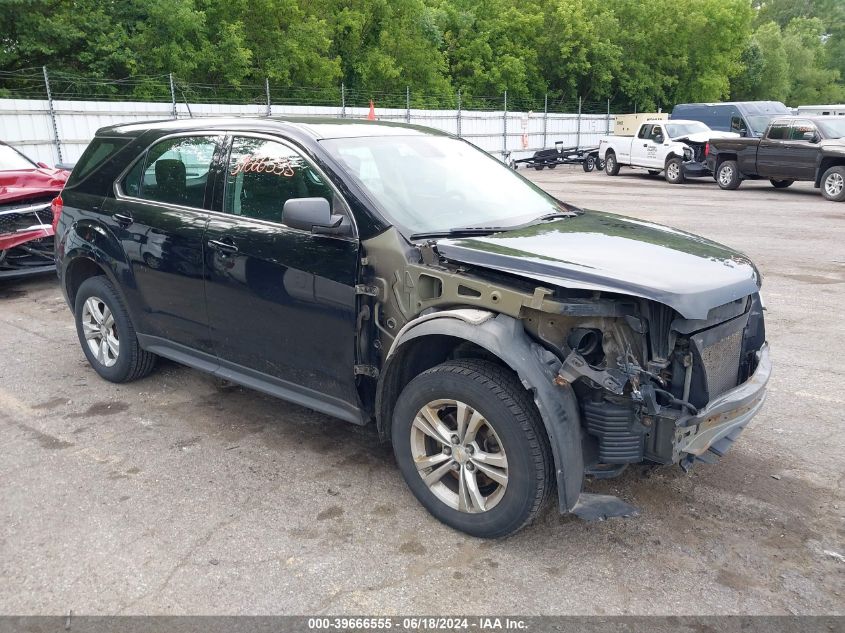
(12, 160)
(262, 175)
(779, 131)
(833, 128)
(431, 184)
(677, 130)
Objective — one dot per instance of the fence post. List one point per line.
(608, 117)
(342, 101)
(52, 114)
(267, 93)
(172, 96)
(505, 126)
(578, 130)
(459, 112)
(545, 118)
(407, 104)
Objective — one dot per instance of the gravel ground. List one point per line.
(176, 494)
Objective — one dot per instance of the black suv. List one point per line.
(506, 342)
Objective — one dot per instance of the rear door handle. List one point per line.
(123, 218)
(226, 248)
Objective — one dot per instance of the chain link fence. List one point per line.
(52, 115)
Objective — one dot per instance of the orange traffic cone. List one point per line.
(372, 115)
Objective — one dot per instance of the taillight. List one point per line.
(707, 149)
(56, 207)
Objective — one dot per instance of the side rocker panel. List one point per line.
(536, 368)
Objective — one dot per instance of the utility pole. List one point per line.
(545, 117)
(505, 126)
(578, 132)
(342, 101)
(459, 113)
(267, 93)
(52, 114)
(407, 104)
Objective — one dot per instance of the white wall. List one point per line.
(26, 123)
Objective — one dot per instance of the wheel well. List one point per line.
(826, 164)
(415, 357)
(670, 157)
(721, 158)
(78, 271)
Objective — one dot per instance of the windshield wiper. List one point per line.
(467, 231)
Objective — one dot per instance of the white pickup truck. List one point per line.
(677, 148)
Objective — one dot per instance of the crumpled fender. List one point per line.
(536, 368)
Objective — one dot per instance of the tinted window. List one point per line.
(94, 155)
(779, 131)
(799, 128)
(175, 171)
(645, 131)
(262, 175)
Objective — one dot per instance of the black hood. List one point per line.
(601, 251)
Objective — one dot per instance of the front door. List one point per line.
(159, 215)
(281, 301)
(801, 152)
(646, 151)
(771, 153)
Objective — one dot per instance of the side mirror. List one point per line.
(659, 139)
(743, 132)
(43, 165)
(312, 214)
(810, 136)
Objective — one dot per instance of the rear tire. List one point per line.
(106, 333)
(502, 434)
(589, 164)
(611, 166)
(727, 175)
(780, 184)
(674, 172)
(833, 184)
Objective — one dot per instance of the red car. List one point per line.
(26, 221)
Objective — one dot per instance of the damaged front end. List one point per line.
(664, 389)
(26, 238)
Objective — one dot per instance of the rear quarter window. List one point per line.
(94, 156)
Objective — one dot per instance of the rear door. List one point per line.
(281, 301)
(159, 215)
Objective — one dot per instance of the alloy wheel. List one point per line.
(726, 175)
(834, 184)
(673, 171)
(100, 331)
(459, 456)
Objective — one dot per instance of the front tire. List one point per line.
(472, 448)
(106, 333)
(780, 184)
(728, 175)
(611, 166)
(675, 171)
(833, 184)
(589, 164)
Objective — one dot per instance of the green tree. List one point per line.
(766, 74)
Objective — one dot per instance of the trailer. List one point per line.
(587, 157)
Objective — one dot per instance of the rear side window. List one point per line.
(779, 131)
(98, 151)
(262, 175)
(174, 171)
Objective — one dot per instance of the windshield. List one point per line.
(431, 184)
(832, 128)
(677, 130)
(759, 123)
(11, 160)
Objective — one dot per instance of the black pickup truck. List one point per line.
(792, 148)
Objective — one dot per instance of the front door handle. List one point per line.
(124, 219)
(225, 248)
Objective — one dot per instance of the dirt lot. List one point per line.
(176, 495)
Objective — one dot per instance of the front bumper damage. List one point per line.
(711, 432)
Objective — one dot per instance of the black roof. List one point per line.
(315, 127)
